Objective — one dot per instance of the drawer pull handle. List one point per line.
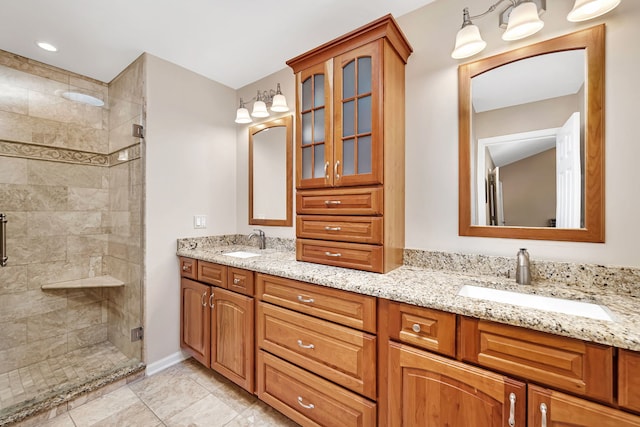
(305, 300)
(309, 406)
(236, 281)
(512, 410)
(543, 412)
(333, 228)
(416, 328)
(186, 267)
(337, 254)
(204, 299)
(309, 346)
(332, 202)
(211, 300)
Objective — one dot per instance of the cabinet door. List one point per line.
(314, 150)
(195, 332)
(232, 337)
(431, 391)
(358, 118)
(548, 408)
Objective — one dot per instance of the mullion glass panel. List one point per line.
(348, 119)
(318, 90)
(318, 125)
(307, 128)
(318, 161)
(349, 80)
(364, 75)
(306, 162)
(306, 95)
(348, 157)
(364, 154)
(364, 114)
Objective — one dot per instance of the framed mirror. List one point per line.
(270, 170)
(531, 141)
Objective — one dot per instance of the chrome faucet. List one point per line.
(262, 239)
(523, 267)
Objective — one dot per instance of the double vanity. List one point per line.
(333, 346)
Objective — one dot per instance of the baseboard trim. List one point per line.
(164, 363)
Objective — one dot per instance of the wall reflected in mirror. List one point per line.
(528, 144)
(270, 173)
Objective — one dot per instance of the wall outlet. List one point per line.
(199, 221)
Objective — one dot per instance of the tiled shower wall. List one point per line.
(55, 178)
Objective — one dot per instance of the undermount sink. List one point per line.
(558, 305)
(241, 254)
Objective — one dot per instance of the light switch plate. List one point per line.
(199, 221)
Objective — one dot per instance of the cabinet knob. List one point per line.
(307, 346)
(305, 300)
(301, 403)
(543, 413)
(236, 281)
(186, 267)
(416, 328)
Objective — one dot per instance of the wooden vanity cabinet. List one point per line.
(629, 380)
(350, 148)
(317, 352)
(552, 408)
(217, 324)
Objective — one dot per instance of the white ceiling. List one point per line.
(234, 42)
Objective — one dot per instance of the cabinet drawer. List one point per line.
(340, 354)
(350, 255)
(307, 399)
(552, 408)
(565, 363)
(347, 308)
(422, 327)
(188, 268)
(214, 274)
(240, 280)
(341, 228)
(351, 201)
(628, 380)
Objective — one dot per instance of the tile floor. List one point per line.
(21, 385)
(186, 394)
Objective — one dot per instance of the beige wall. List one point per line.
(190, 169)
(529, 190)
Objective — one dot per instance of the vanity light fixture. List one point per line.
(273, 97)
(521, 19)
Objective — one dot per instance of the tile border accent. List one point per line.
(66, 155)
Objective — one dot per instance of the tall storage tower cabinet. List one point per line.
(350, 126)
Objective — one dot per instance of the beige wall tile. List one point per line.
(18, 197)
(25, 355)
(13, 170)
(120, 136)
(54, 107)
(88, 199)
(83, 316)
(13, 279)
(52, 173)
(87, 139)
(71, 268)
(15, 127)
(16, 224)
(87, 336)
(30, 303)
(45, 325)
(63, 223)
(13, 333)
(14, 99)
(33, 250)
(87, 245)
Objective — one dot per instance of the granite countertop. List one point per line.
(438, 290)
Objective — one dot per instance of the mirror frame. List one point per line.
(286, 122)
(592, 40)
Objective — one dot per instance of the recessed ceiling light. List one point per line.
(47, 46)
(83, 98)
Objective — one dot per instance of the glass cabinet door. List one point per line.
(314, 151)
(358, 154)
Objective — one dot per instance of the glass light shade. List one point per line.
(523, 22)
(260, 109)
(584, 10)
(242, 116)
(468, 42)
(279, 104)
